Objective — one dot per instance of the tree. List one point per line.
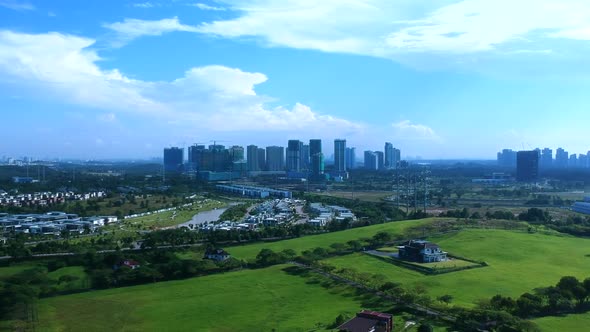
(425, 327)
(529, 305)
(446, 299)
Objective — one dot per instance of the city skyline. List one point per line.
(442, 80)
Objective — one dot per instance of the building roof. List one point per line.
(216, 252)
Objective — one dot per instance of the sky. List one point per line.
(439, 79)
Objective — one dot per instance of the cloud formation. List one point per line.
(16, 5)
(131, 29)
(406, 130)
(209, 98)
(204, 6)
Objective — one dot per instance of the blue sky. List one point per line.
(439, 79)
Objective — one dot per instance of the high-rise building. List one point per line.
(275, 158)
(339, 155)
(380, 160)
(294, 148)
(173, 159)
(546, 160)
(305, 157)
(194, 156)
(390, 161)
(507, 158)
(317, 157)
(561, 158)
(527, 165)
(252, 158)
(236, 153)
(261, 159)
(371, 160)
(573, 162)
(350, 158)
(582, 160)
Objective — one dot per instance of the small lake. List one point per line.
(202, 217)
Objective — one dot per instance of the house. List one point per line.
(421, 251)
(130, 263)
(368, 321)
(218, 255)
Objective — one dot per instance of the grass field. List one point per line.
(8, 271)
(80, 282)
(369, 196)
(571, 323)
(519, 262)
(249, 300)
(323, 240)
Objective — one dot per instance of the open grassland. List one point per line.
(324, 240)
(278, 298)
(368, 196)
(8, 271)
(570, 323)
(519, 262)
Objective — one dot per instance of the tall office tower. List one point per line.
(546, 158)
(573, 162)
(216, 147)
(339, 155)
(582, 160)
(194, 155)
(397, 157)
(305, 157)
(173, 159)
(252, 158)
(350, 158)
(317, 157)
(294, 148)
(561, 158)
(389, 160)
(275, 158)
(527, 166)
(380, 160)
(261, 159)
(236, 153)
(370, 160)
(507, 158)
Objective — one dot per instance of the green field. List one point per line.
(249, 300)
(519, 262)
(324, 240)
(571, 323)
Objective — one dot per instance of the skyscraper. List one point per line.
(546, 158)
(173, 159)
(275, 158)
(370, 160)
(317, 157)
(261, 159)
(339, 155)
(573, 162)
(194, 156)
(294, 148)
(305, 157)
(389, 156)
(252, 158)
(561, 158)
(527, 165)
(350, 158)
(507, 158)
(236, 153)
(380, 160)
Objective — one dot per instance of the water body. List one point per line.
(205, 216)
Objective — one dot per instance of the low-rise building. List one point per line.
(217, 255)
(369, 321)
(421, 251)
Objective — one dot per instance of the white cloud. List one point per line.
(406, 130)
(210, 98)
(204, 6)
(16, 5)
(146, 4)
(398, 29)
(131, 29)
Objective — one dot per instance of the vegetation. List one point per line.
(273, 298)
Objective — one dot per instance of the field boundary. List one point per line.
(428, 270)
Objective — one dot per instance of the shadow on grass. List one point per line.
(364, 297)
